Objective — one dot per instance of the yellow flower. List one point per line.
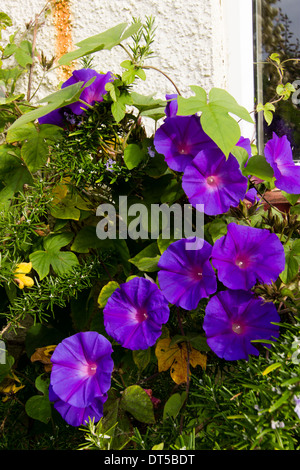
(21, 279)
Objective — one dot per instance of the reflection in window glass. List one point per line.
(277, 30)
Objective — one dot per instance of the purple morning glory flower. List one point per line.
(93, 92)
(81, 369)
(172, 106)
(235, 318)
(135, 313)
(278, 153)
(179, 139)
(212, 180)
(76, 416)
(90, 95)
(186, 275)
(246, 255)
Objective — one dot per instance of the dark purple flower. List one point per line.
(213, 181)
(82, 368)
(186, 275)
(235, 318)
(90, 95)
(172, 105)
(278, 153)
(76, 416)
(251, 196)
(246, 255)
(135, 313)
(179, 139)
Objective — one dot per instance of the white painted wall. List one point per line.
(198, 42)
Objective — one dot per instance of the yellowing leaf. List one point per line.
(43, 355)
(175, 358)
(9, 386)
(20, 275)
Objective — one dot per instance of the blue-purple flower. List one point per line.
(81, 376)
(74, 415)
(186, 275)
(214, 181)
(233, 319)
(179, 139)
(246, 255)
(92, 93)
(278, 153)
(135, 312)
(172, 105)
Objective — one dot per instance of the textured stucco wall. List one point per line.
(191, 38)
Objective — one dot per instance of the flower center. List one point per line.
(91, 369)
(197, 273)
(141, 315)
(183, 149)
(242, 262)
(210, 180)
(237, 328)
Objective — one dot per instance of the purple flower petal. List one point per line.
(186, 276)
(213, 181)
(172, 106)
(93, 92)
(235, 318)
(278, 153)
(76, 416)
(135, 313)
(82, 368)
(246, 255)
(179, 139)
(90, 95)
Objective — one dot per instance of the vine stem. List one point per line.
(164, 74)
(187, 371)
(151, 67)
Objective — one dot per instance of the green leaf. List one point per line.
(292, 198)
(13, 173)
(215, 119)
(133, 156)
(194, 104)
(5, 20)
(38, 407)
(118, 108)
(23, 54)
(173, 405)
(106, 40)
(61, 262)
(141, 358)
(147, 259)
(282, 400)
(42, 384)
(136, 402)
(5, 368)
(106, 292)
(35, 148)
(292, 259)
(259, 167)
(272, 367)
(61, 98)
(87, 239)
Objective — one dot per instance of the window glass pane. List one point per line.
(277, 30)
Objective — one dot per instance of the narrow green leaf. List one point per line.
(272, 367)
